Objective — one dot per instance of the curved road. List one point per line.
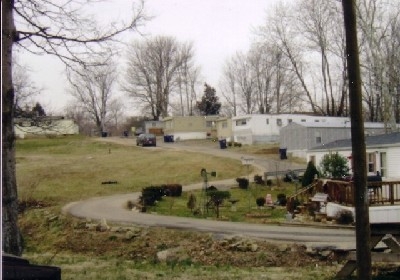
(112, 209)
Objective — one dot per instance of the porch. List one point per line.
(383, 198)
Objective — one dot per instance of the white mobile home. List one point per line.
(297, 138)
(253, 129)
(44, 126)
(383, 154)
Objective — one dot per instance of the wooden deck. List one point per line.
(342, 192)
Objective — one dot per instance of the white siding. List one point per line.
(393, 162)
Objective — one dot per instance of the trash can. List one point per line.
(168, 138)
(222, 143)
(282, 153)
(104, 134)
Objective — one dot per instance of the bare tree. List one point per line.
(241, 83)
(44, 27)
(153, 71)
(279, 28)
(24, 88)
(187, 79)
(228, 85)
(317, 22)
(379, 29)
(92, 87)
(115, 114)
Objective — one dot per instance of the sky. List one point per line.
(217, 28)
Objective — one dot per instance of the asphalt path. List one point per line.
(113, 209)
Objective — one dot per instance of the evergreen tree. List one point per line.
(309, 175)
(38, 110)
(209, 104)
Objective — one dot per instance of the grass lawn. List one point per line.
(53, 172)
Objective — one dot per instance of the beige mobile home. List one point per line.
(190, 127)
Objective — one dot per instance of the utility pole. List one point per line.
(363, 231)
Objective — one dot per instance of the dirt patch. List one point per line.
(268, 151)
(200, 248)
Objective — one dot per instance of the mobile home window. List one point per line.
(383, 164)
(318, 138)
(209, 124)
(303, 120)
(289, 121)
(224, 124)
(241, 122)
(267, 121)
(371, 162)
(279, 122)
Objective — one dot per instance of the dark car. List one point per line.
(146, 139)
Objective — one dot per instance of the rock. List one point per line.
(130, 235)
(171, 255)
(253, 247)
(102, 226)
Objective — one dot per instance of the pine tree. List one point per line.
(209, 104)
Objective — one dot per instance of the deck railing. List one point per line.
(379, 193)
(342, 192)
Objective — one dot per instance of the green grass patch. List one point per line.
(244, 210)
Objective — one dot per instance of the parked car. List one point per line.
(146, 139)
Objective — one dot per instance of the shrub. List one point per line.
(269, 182)
(191, 204)
(243, 183)
(281, 199)
(211, 188)
(260, 201)
(174, 190)
(334, 165)
(258, 180)
(344, 217)
(217, 198)
(237, 144)
(151, 194)
(309, 175)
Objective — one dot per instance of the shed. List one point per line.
(266, 128)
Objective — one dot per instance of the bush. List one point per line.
(237, 144)
(243, 183)
(258, 180)
(211, 188)
(281, 199)
(151, 194)
(260, 201)
(191, 204)
(344, 217)
(334, 165)
(217, 198)
(174, 190)
(269, 182)
(309, 175)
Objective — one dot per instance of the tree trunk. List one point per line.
(12, 241)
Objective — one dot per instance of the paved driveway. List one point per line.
(113, 210)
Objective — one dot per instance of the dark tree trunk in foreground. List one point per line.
(12, 241)
(363, 232)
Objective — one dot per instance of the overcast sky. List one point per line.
(217, 28)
